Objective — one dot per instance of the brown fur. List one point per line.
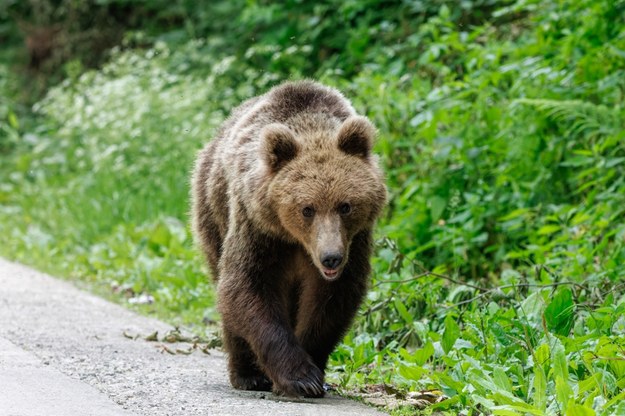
(284, 201)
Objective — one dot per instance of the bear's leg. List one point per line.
(264, 328)
(252, 307)
(244, 372)
(321, 325)
(326, 309)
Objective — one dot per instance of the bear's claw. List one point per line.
(307, 381)
(255, 383)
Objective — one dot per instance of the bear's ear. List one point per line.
(278, 145)
(356, 136)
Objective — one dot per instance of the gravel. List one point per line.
(63, 352)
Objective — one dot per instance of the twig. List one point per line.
(440, 276)
(458, 282)
(403, 280)
(498, 288)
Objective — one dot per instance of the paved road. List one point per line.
(63, 352)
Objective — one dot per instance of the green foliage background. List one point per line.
(500, 262)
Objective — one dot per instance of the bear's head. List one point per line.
(326, 186)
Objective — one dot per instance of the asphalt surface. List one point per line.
(63, 352)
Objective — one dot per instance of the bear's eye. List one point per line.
(345, 208)
(308, 212)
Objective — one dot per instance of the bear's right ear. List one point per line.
(278, 145)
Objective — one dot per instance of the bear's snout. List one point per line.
(331, 264)
(329, 251)
(331, 260)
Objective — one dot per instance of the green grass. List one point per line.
(498, 274)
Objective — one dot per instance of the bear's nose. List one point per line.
(331, 260)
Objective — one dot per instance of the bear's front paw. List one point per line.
(257, 382)
(303, 380)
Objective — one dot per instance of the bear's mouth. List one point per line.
(330, 274)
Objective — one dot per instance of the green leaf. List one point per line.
(561, 374)
(620, 409)
(540, 389)
(613, 354)
(594, 381)
(519, 212)
(516, 409)
(422, 355)
(558, 358)
(616, 399)
(548, 229)
(577, 161)
(501, 379)
(533, 306)
(451, 383)
(506, 410)
(411, 372)
(559, 313)
(579, 410)
(403, 312)
(541, 354)
(437, 206)
(451, 334)
(483, 381)
(13, 122)
(540, 380)
(563, 392)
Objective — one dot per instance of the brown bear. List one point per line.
(284, 202)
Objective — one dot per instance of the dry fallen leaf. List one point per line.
(391, 398)
(152, 337)
(175, 336)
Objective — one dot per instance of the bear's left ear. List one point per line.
(278, 145)
(356, 136)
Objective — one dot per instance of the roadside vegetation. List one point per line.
(500, 261)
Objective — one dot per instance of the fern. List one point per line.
(579, 117)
